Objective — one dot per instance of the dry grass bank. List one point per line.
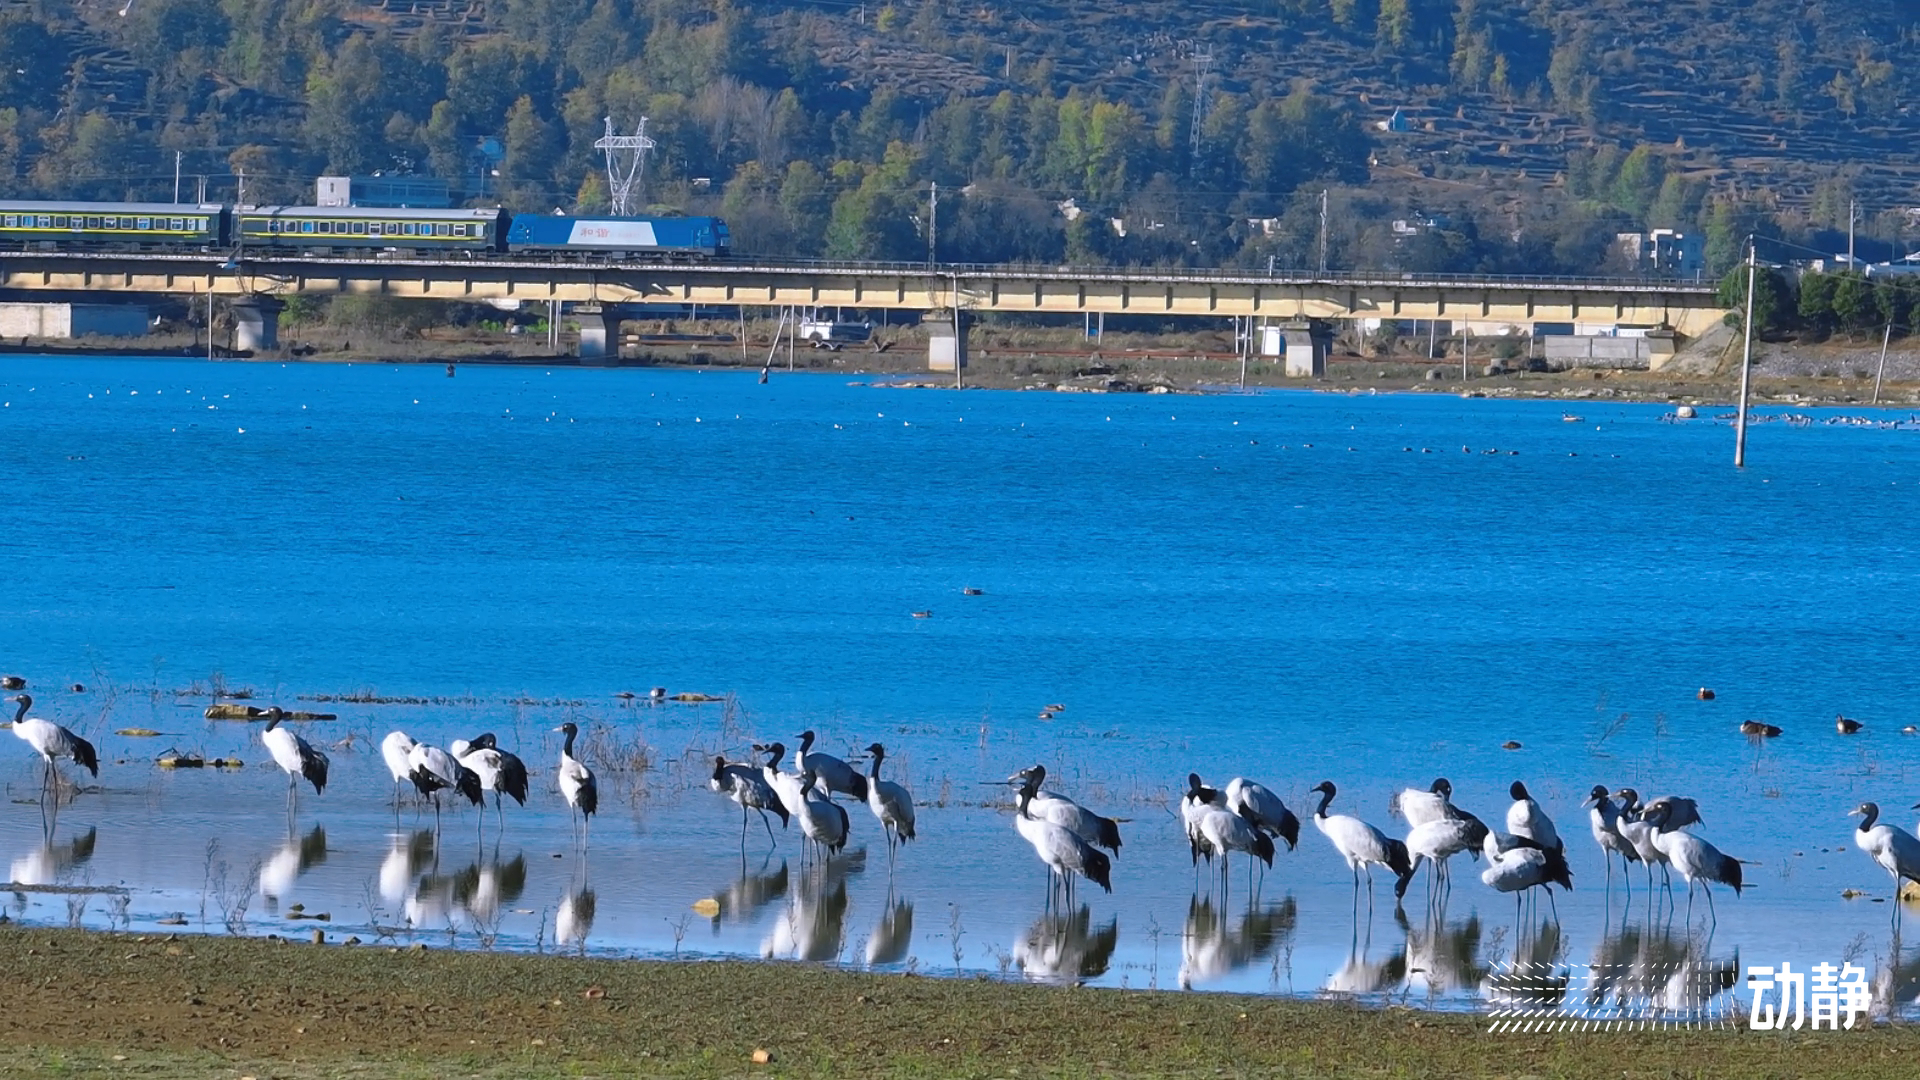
(150, 1006)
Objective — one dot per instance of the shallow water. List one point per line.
(1288, 586)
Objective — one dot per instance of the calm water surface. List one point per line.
(1289, 586)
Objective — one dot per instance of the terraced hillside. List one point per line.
(1513, 111)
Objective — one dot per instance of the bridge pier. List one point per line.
(256, 323)
(947, 341)
(1303, 347)
(599, 333)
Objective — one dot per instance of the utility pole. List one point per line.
(240, 193)
(933, 223)
(176, 176)
(1885, 340)
(1323, 232)
(1746, 362)
(1852, 215)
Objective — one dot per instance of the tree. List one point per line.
(1855, 307)
(1395, 25)
(1773, 299)
(531, 152)
(1815, 306)
(32, 65)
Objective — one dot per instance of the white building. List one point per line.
(1663, 253)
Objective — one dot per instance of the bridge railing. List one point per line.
(257, 260)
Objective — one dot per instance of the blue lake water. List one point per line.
(1289, 586)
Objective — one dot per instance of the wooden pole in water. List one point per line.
(1746, 363)
(1882, 371)
(209, 324)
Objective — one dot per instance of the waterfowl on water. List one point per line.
(50, 740)
(1755, 727)
(1847, 726)
(835, 775)
(295, 756)
(577, 785)
(1360, 844)
(1895, 849)
(892, 803)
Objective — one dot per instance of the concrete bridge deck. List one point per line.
(1689, 308)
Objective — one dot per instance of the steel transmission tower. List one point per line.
(1202, 63)
(626, 159)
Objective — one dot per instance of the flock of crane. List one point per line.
(1242, 817)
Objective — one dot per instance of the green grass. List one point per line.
(80, 1004)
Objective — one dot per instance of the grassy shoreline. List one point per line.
(164, 1006)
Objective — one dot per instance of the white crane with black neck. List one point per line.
(295, 756)
(577, 786)
(50, 741)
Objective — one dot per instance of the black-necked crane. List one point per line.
(1526, 865)
(1420, 806)
(1526, 819)
(749, 790)
(1603, 818)
(1895, 849)
(1062, 849)
(500, 772)
(50, 741)
(1263, 810)
(892, 803)
(1638, 833)
(785, 785)
(835, 775)
(821, 819)
(577, 785)
(1437, 841)
(1194, 803)
(1226, 833)
(1695, 859)
(433, 770)
(295, 756)
(1360, 844)
(396, 750)
(1060, 810)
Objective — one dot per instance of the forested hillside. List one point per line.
(1527, 131)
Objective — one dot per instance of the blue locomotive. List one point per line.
(619, 236)
(56, 226)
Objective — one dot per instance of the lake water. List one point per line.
(1290, 586)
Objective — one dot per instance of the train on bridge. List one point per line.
(338, 230)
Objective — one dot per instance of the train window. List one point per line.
(143, 223)
(60, 221)
(374, 228)
(7, 220)
(306, 227)
(326, 226)
(407, 228)
(46, 221)
(179, 224)
(93, 221)
(443, 230)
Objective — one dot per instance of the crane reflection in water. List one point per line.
(1216, 945)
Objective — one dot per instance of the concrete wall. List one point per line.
(72, 320)
(1598, 352)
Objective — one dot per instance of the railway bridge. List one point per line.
(598, 288)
